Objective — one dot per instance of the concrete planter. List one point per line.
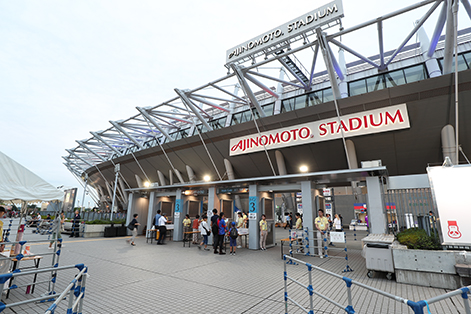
(94, 231)
(426, 268)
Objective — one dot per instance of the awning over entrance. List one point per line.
(331, 178)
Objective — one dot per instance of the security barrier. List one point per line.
(301, 239)
(416, 307)
(75, 290)
(18, 246)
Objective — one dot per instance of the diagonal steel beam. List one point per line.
(193, 108)
(83, 145)
(353, 52)
(229, 93)
(147, 116)
(220, 99)
(328, 63)
(414, 30)
(207, 102)
(274, 79)
(129, 136)
(438, 31)
(78, 157)
(449, 39)
(381, 45)
(247, 90)
(261, 85)
(313, 66)
(99, 138)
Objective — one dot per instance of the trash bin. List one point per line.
(379, 258)
(110, 232)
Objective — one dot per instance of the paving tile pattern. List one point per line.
(149, 278)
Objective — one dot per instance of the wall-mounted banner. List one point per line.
(304, 23)
(361, 123)
(450, 189)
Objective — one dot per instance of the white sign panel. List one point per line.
(361, 123)
(176, 215)
(337, 237)
(451, 190)
(304, 23)
(252, 216)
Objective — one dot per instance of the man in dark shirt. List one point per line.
(76, 225)
(214, 229)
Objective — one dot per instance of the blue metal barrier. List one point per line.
(416, 307)
(75, 290)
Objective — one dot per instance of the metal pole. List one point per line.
(285, 275)
(83, 198)
(116, 170)
(455, 21)
(310, 289)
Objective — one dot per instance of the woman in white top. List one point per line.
(337, 223)
(204, 229)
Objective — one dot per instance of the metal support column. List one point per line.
(309, 211)
(178, 216)
(150, 211)
(254, 217)
(116, 171)
(247, 90)
(376, 215)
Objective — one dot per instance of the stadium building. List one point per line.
(294, 127)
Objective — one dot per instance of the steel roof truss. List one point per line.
(146, 115)
(275, 79)
(207, 102)
(193, 108)
(261, 85)
(247, 90)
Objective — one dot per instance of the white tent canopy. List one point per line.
(19, 184)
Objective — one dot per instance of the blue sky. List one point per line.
(68, 67)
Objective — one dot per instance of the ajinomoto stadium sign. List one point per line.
(361, 123)
(293, 28)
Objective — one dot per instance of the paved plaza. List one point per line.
(170, 278)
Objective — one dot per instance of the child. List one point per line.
(196, 225)
(233, 234)
(204, 229)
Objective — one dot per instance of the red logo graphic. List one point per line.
(453, 230)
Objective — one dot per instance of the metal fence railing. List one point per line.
(417, 307)
(75, 290)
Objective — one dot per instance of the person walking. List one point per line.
(76, 225)
(186, 228)
(263, 233)
(133, 226)
(204, 229)
(321, 224)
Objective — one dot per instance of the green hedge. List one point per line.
(418, 239)
(105, 222)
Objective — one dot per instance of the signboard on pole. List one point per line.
(451, 191)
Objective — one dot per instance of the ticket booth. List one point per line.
(268, 209)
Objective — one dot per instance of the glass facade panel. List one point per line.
(467, 57)
(268, 109)
(287, 105)
(357, 88)
(300, 102)
(327, 95)
(414, 74)
(236, 118)
(314, 99)
(395, 78)
(218, 123)
(375, 83)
